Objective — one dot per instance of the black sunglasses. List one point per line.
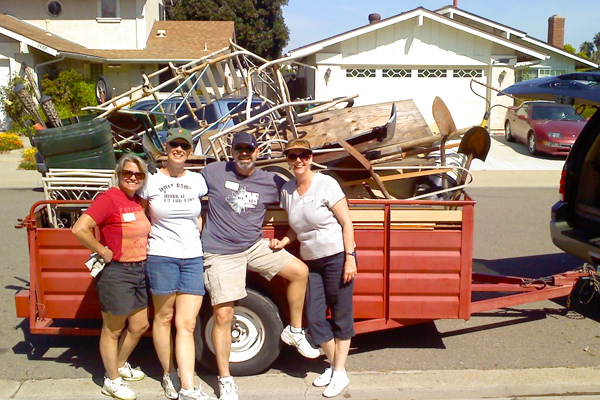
(305, 155)
(241, 149)
(183, 145)
(128, 174)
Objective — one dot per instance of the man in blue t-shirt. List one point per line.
(238, 196)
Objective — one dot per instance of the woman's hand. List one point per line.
(107, 255)
(350, 270)
(277, 244)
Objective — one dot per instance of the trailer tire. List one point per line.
(255, 336)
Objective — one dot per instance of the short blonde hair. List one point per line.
(132, 158)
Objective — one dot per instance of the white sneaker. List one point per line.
(338, 382)
(324, 378)
(118, 389)
(169, 388)
(227, 390)
(299, 341)
(194, 393)
(130, 374)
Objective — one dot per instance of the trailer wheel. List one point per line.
(255, 334)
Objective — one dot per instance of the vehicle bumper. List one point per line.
(571, 240)
(554, 148)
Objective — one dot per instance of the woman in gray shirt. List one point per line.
(319, 218)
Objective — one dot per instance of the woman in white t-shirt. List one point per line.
(319, 218)
(175, 263)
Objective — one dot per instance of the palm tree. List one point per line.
(597, 43)
(587, 48)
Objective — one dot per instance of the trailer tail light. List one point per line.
(561, 188)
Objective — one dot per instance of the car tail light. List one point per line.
(561, 188)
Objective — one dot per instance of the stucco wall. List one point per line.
(78, 21)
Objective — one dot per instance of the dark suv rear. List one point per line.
(575, 224)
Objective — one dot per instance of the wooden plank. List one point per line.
(426, 215)
(398, 176)
(322, 130)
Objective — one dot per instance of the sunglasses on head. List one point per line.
(128, 174)
(241, 149)
(183, 145)
(304, 155)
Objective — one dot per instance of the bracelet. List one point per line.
(351, 253)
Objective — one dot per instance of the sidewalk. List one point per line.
(550, 383)
(11, 177)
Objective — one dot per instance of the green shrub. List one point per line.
(70, 92)
(12, 106)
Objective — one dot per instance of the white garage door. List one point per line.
(4, 79)
(422, 85)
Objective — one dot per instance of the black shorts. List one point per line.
(122, 287)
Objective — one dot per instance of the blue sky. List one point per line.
(312, 20)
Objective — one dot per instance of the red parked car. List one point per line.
(545, 127)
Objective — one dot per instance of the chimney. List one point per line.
(374, 18)
(556, 31)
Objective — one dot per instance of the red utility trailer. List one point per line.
(414, 265)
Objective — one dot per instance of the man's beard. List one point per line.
(243, 166)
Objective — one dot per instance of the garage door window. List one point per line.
(468, 73)
(396, 73)
(360, 73)
(432, 73)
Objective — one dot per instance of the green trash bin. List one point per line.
(85, 144)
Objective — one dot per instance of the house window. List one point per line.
(543, 72)
(360, 73)
(468, 73)
(396, 73)
(54, 8)
(432, 73)
(109, 9)
(95, 71)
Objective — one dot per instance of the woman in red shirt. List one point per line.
(121, 285)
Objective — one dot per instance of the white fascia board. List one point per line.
(29, 42)
(356, 32)
(415, 14)
(488, 36)
(559, 51)
(483, 21)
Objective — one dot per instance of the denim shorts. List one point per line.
(169, 275)
(122, 288)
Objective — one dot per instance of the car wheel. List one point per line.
(531, 144)
(255, 332)
(508, 133)
(104, 92)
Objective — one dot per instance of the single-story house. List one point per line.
(421, 54)
(117, 39)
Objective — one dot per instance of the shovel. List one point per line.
(365, 163)
(474, 144)
(446, 125)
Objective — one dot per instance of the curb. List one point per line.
(441, 384)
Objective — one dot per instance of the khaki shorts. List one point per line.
(225, 274)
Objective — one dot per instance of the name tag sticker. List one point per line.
(128, 217)
(232, 185)
(309, 199)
